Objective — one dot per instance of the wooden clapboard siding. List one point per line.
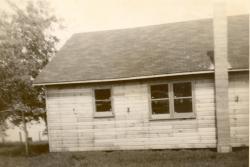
(239, 109)
(72, 126)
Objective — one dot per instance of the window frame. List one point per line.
(172, 114)
(103, 114)
(158, 116)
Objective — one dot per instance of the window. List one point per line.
(103, 102)
(172, 100)
(182, 97)
(160, 99)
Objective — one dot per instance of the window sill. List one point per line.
(103, 115)
(167, 117)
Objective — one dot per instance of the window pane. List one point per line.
(183, 105)
(102, 106)
(182, 89)
(159, 91)
(102, 94)
(160, 107)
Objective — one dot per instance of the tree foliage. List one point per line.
(26, 45)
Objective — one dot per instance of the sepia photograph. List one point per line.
(124, 83)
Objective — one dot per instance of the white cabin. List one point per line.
(155, 87)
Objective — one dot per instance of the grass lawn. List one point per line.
(12, 155)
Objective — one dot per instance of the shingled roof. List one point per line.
(145, 51)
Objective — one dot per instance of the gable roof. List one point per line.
(145, 51)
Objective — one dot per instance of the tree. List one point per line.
(26, 45)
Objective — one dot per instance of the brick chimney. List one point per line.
(221, 77)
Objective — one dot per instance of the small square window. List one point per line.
(183, 105)
(160, 107)
(103, 100)
(182, 89)
(102, 106)
(102, 94)
(159, 91)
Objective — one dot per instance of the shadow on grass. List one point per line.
(18, 149)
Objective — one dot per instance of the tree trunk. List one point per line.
(2, 129)
(25, 134)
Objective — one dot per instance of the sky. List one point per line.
(95, 15)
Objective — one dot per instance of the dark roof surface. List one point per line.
(145, 51)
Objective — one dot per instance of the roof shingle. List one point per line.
(145, 51)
